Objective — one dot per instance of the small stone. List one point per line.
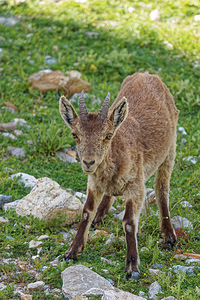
(18, 132)
(50, 61)
(154, 271)
(26, 179)
(181, 222)
(17, 151)
(34, 244)
(119, 295)
(62, 155)
(154, 289)
(169, 45)
(9, 135)
(9, 238)
(180, 256)
(192, 260)
(80, 298)
(120, 216)
(155, 15)
(5, 199)
(81, 196)
(3, 221)
(111, 239)
(108, 261)
(92, 35)
(8, 126)
(38, 285)
(2, 286)
(157, 266)
(185, 269)
(55, 262)
(9, 21)
(43, 237)
(141, 294)
(191, 159)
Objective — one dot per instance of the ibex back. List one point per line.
(119, 149)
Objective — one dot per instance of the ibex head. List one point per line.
(93, 132)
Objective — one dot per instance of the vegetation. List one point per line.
(126, 41)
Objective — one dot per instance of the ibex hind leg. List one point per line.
(162, 184)
(103, 209)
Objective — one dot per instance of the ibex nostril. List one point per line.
(88, 164)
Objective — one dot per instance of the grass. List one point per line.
(127, 41)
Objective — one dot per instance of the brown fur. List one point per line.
(143, 141)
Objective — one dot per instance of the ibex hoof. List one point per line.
(170, 243)
(133, 275)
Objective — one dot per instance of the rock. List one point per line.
(62, 155)
(185, 204)
(11, 205)
(92, 35)
(77, 280)
(74, 74)
(155, 15)
(9, 21)
(3, 221)
(43, 237)
(185, 269)
(120, 216)
(17, 151)
(38, 285)
(154, 289)
(26, 297)
(5, 199)
(157, 266)
(50, 61)
(119, 295)
(180, 222)
(9, 135)
(56, 80)
(34, 244)
(2, 286)
(26, 179)
(180, 256)
(18, 132)
(141, 293)
(8, 126)
(80, 298)
(93, 292)
(110, 262)
(154, 271)
(111, 239)
(190, 260)
(47, 200)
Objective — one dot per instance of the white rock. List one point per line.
(119, 295)
(169, 298)
(34, 244)
(11, 205)
(191, 159)
(180, 222)
(93, 292)
(47, 200)
(9, 21)
(21, 122)
(92, 35)
(18, 132)
(38, 285)
(26, 179)
(79, 279)
(154, 289)
(110, 239)
(2, 286)
(169, 45)
(9, 135)
(197, 18)
(43, 237)
(185, 204)
(192, 260)
(110, 262)
(144, 249)
(155, 15)
(120, 216)
(2, 220)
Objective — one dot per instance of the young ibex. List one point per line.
(119, 149)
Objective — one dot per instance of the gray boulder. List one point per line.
(77, 280)
(47, 200)
(120, 295)
(26, 179)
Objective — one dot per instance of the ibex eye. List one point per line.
(108, 137)
(75, 136)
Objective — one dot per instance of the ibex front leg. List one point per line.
(89, 211)
(130, 224)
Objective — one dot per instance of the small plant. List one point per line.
(49, 138)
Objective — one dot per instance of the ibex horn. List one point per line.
(82, 106)
(104, 108)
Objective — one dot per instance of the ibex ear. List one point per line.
(119, 113)
(67, 111)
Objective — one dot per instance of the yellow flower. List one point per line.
(93, 67)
